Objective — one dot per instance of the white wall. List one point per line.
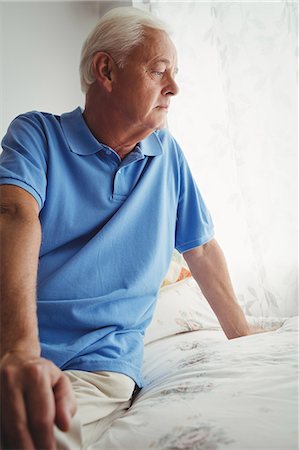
(40, 50)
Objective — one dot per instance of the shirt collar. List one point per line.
(82, 141)
(78, 135)
(151, 145)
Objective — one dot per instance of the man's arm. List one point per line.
(208, 266)
(34, 392)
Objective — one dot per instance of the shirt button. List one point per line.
(119, 171)
(108, 152)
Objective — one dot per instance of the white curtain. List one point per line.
(236, 120)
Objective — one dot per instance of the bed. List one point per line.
(204, 392)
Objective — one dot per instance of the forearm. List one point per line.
(20, 243)
(209, 268)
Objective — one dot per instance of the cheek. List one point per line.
(144, 102)
(151, 96)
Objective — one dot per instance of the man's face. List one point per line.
(145, 85)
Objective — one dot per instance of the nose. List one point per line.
(171, 88)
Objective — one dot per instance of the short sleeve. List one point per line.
(23, 160)
(194, 226)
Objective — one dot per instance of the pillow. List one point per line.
(178, 270)
(181, 307)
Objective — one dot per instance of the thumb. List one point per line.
(65, 402)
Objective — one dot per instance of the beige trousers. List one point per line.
(101, 398)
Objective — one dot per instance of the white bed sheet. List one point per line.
(203, 392)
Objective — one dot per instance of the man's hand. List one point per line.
(254, 329)
(35, 395)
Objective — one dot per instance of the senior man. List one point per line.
(93, 204)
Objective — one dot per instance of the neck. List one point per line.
(108, 128)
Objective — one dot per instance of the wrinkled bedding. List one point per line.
(203, 392)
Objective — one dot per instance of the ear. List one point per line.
(103, 66)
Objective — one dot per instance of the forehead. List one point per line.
(156, 46)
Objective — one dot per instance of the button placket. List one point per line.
(122, 185)
(118, 184)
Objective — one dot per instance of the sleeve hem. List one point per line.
(25, 186)
(195, 243)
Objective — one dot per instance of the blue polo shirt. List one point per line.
(109, 228)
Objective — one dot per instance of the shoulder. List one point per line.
(31, 128)
(29, 133)
(31, 124)
(34, 119)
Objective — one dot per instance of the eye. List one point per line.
(158, 74)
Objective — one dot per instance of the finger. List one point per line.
(14, 428)
(40, 407)
(65, 402)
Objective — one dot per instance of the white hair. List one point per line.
(117, 33)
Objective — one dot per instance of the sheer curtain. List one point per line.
(236, 120)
